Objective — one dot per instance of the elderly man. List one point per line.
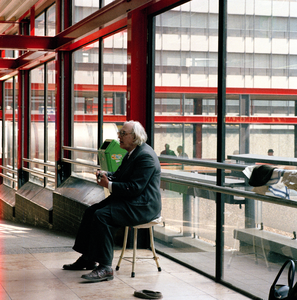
(134, 199)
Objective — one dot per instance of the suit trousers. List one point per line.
(94, 238)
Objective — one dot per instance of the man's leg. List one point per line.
(83, 237)
(101, 247)
(82, 240)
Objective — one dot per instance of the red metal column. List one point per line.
(63, 97)
(136, 66)
(1, 118)
(58, 119)
(32, 20)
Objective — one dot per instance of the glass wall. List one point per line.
(51, 21)
(83, 8)
(260, 60)
(185, 47)
(50, 124)
(85, 106)
(37, 123)
(45, 23)
(185, 52)
(40, 25)
(115, 74)
(10, 131)
(85, 102)
(259, 56)
(42, 129)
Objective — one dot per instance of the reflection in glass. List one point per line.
(40, 25)
(10, 131)
(42, 116)
(115, 74)
(51, 21)
(82, 9)
(86, 105)
(185, 42)
(50, 114)
(37, 123)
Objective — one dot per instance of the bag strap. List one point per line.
(292, 295)
(291, 273)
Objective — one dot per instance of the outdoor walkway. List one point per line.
(31, 269)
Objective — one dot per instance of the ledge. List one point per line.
(34, 205)
(270, 241)
(7, 198)
(71, 199)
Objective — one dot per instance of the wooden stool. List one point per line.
(155, 257)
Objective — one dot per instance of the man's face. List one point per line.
(126, 137)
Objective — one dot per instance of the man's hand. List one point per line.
(102, 179)
(99, 172)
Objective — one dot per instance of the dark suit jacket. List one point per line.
(136, 188)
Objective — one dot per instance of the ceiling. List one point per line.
(11, 11)
(37, 49)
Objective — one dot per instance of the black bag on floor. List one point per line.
(282, 291)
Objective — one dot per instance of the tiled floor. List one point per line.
(31, 261)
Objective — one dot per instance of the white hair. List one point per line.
(138, 131)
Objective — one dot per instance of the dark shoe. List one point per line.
(147, 294)
(80, 264)
(99, 274)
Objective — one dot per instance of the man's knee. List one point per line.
(103, 216)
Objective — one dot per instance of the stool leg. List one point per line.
(156, 258)
(134, 252)
(124, 247)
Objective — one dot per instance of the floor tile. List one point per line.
(31, 268)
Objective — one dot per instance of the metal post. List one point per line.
(295, 133)
(221, 135)
(187, 215)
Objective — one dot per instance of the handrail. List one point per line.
(49, 164)
(38, 173)
(8, 169)
(231, 191)
(88, 150)
(8, 177)
(75, 162)
(201, 162)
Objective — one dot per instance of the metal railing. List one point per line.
(9, 177)
(78, 162)
(39, 172)
(231, 191)
(216, 188)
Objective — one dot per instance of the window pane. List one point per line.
(185, 61)
(85, 106)
(115, 74)
(39, 25)
(37, 123)
(82, 9)
(8, 156)
(51, 21)
(51, 117)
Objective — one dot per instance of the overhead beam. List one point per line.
(102, 17)
(7, 63)
(27, 42)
